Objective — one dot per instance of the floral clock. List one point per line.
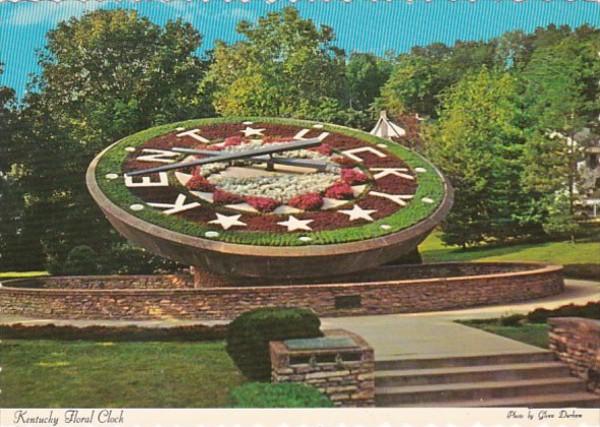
(300, 198)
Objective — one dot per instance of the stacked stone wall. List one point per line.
(155, 297)
(576, 341)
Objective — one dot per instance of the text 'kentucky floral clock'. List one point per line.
(272, 198)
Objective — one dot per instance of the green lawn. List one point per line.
(433, 250)
(47, 373)
(530, 333)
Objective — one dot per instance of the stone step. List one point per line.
(554, 400)
(440, 362)
(466, 374)
(476, 390)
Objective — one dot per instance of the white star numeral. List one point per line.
(294, 223)
(399, 199)
(161, 156)
(358, 213)
(353, 151)
(249, 131)
(163, 181)
(178, 206)
(300, 135)
(228, 221)
(194, 133)
(383, 172)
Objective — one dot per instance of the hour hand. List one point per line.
(224, 157)
(266, 158)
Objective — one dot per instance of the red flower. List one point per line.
(307, 202)
(213, 148)
(353, 177)
(324, 149)
(199, 183)
(262, 204)
(233, 141)
(221, 197)
(269, 139)
(344, 161)
(339, 190)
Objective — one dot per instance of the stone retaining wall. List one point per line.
(346, 375)
(336, 299)
(576, 341)
(145, 282)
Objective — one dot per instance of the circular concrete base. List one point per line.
(385, 290)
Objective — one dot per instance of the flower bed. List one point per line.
(264, 227)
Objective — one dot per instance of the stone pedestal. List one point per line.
(345, 374)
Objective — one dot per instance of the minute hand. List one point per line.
(272, 149)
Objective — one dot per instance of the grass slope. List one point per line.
(433, 250)
(21, 274)
(45, 373)
(530, 333)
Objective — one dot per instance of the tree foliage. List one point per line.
(507, 118)
(284, 66)
(477, 142)
(104, 75)
(419, 77)
(561, 97)
(366, 74)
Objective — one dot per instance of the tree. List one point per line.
(104, 76)
(283, 67)
(419, 77)
(110, 73)
(366, 74)
(561, 97)
(477, 143)
(411, 86)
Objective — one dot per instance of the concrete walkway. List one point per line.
(405, 335)
(436, 333)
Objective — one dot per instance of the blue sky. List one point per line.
(360, 25)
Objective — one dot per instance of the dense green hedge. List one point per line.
(430, 185)
(282, 395)
(583, 271)
(113, 333)
(591, 310)
(248, 336)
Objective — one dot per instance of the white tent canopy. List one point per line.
(384, 128)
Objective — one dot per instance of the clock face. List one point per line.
(340, 186)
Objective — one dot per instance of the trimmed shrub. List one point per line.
(582, 271)
(81, 260)
(249, 334)
(282, 395)
(125, 258)
(512, 320)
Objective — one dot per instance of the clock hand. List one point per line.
(307, 163)
(223, 157)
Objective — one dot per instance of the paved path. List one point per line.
(436, 333)
(406, 335)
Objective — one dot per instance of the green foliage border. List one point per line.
(430, 185)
